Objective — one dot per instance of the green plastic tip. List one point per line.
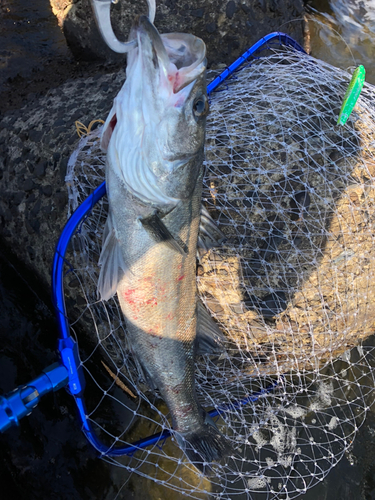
(352, 94)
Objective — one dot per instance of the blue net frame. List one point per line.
(67, 346)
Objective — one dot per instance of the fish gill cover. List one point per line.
(291, 287)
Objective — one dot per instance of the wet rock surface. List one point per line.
(47, 456)
(227, 27)
(35, 144)
(37, 138)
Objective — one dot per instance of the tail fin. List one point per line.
(205, 445)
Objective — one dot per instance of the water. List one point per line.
(48, 456)
(343, 33)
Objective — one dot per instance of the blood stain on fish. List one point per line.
(129, 296)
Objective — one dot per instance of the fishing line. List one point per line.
(290, 287)
(307, 19)
(81, 214)
(338, 34)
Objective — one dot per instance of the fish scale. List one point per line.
(150, 240)
(158, 298)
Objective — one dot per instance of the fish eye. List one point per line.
(200, 106)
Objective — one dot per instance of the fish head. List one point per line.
(155, 131)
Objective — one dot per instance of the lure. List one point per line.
(352, 94)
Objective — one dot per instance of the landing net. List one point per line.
(292, 289)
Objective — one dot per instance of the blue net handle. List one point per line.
(68, 347)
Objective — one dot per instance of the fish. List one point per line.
(154, 137)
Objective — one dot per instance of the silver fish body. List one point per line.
(158, 299)
(155, 138)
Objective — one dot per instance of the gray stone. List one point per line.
(18, 197)
(36, 208)
(40, 169)
(230, 9)
(35, 135)
(47, 190)
(59, 122)
(33, 204)
(61, 199)
(42, 134)
(215, 21)
(197, 13)
(31, 252)
(27, 185)
(211, 27)
(63, 167)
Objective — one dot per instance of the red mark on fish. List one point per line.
(129, 295)
(151, 302)
(177, 83)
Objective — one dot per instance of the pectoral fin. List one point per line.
(144, 374)
(209, 234)
(210, 338)
(159, 232)
(111, 261)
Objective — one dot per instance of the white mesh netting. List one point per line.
(292, 288)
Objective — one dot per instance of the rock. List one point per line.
(37, 140)
(33, 207)
(228, 28)
(230, 9)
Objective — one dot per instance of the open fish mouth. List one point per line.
(181, 56)
(155, 134)
(154, 125)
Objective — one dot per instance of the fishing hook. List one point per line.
(101, 10)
